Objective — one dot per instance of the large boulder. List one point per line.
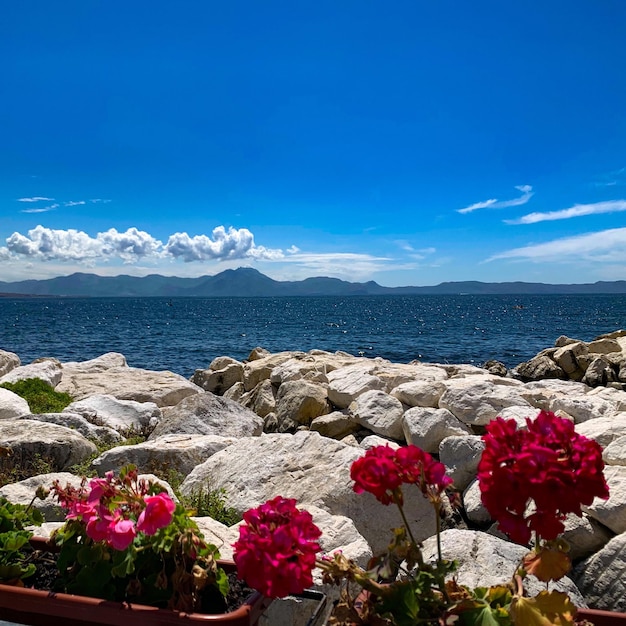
(261, 399)
(48, 370)
(178, 453)
(12, 405)
(477, 400)
(427, 428)
(219, 381)
(611, 512)
(207, 414)
(539, 367)
(60, 446)
(122, 415)
(301, 401)
(419, 393)
(313, 470)
(485, 560)
(602, 577)
(127, 383)
(461, 455)
(380, 413)
(78, 423)
(345, 384)
(8, 361)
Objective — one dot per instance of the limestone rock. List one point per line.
(347, 383)
(604, 345)
(615, 452)
(460, 455)
(336, 425)
(379, 412)
(419, 393)
(297, 369)
(261, 400)
(472, 503)
(261, 369)
(179, 453)
(122, 415)
(206, 414)
(585, 536)
(236, 392)
(23, 492)
(600, 372)
(219, 381)
(127, 383)
(62, 446)
(611, 512)
(313, 470)
(539, 393)
(602, 577)
(220, 362)
(12, 405)
(539, 368)
(78, 423)
(567, 358)
(478, 401)
(101, 363)
(8, 361)
(485, 560)
(604, 429)
(427, 428)
(581, 407)
(48, 370)
(301, 401)
(371, 441)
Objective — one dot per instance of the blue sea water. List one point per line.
(184, 334)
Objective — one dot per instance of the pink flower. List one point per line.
(377, 473)
(277, 548)
(121, 533)
(158, 513)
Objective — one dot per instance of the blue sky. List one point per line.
(405, 142)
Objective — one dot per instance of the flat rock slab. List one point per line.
(128, 383)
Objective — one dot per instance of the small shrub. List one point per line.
(41, 397)
(211, 502)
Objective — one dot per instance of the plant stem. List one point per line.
(420, 559)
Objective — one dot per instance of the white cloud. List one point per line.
(74, 202)
(494, 203)
(603, 246)
(35, 199)
(612, 179)
(43, 209)
(612, 206)
(72, 245)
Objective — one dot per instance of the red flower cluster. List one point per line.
(276, 549)
(382, 470)
(549, 464)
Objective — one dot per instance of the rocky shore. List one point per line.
(291, 423)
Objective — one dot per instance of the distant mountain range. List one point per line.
(248, 282)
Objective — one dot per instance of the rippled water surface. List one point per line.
(183, 334)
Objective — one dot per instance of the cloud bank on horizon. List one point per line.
(357, 141)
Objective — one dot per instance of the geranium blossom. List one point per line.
(548, 465)
(277, 548)
(157, 514)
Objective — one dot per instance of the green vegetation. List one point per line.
(41, 397)
(211, 502)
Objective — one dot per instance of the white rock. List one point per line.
(8, 361)
(23, 492)
(219, 381)
(419, 393)
(477, 401)
(127, 383)
(581, 407)
(123, 415)
(460, 455)
(336, 425)
(313, 470)
(99, 364)
(80, 425)
(485, 560)
(179, 453)
(539, 393)
(301, 401)
(427, 428)
(472, 503)
(584, 536)
(12, 405)
(519, 414)
(611, 512)
(602, 577)
(371, 441)
(604, 429)
(347, 383)
(206, 414)
(379, 412)
(615, 452)
(48, 370)
(261, 400)
(261, 369)
(61, 446)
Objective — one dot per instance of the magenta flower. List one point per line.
(158, 513)
(277, 548)
(121, 533)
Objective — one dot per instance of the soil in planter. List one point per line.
(212, 601)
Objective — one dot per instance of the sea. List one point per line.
(185, 334)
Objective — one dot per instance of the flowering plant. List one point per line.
(126, 539)
(530, 479)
